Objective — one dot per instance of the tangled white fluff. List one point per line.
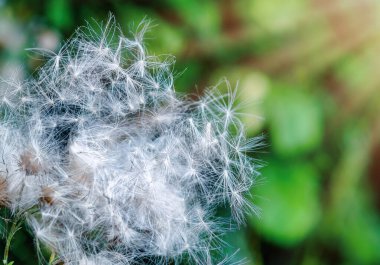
(110, 166)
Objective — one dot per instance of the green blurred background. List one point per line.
(307, 77)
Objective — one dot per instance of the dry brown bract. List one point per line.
(47, 195)
(29, 163)
(4, 199)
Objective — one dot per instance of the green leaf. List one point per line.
(295, 121)
(289, 202)
(202, 15)
(59, 12)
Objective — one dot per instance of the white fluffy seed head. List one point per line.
(120, 168)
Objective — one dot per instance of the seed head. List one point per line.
(121, 169)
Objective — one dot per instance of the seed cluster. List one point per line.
(109, 165)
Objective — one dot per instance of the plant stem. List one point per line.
(52, 258)
(15, 227)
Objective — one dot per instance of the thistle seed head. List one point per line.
(121, 169)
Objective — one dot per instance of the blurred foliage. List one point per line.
(291, 187)
(307, 77)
